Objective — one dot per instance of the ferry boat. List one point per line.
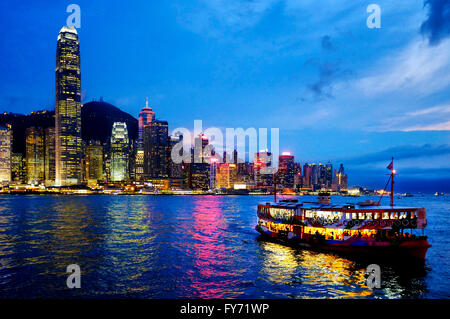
(364, 229)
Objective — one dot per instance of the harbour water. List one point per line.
(191, 247)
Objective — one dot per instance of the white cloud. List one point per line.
(419, 69)
(443, 126)
(431, 110)
(427, 119)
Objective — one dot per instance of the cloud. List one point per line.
(428, 119)
(328, 74)
(443, 126)
(326, 43)
(437, 25)
(418, 67)
(400, 153)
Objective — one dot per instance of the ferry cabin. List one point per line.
(338, 222)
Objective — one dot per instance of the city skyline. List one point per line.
(420, 149)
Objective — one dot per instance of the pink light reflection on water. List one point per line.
(212, 258)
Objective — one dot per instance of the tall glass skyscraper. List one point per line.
(146, 116)
(35, 155)
(68, 108)
(156, 149)
(120, 146)
(50, 156)
(5, 154)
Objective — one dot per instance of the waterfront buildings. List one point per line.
(156, 149)
(5, 154)
(119, 148)
(175, 168)
(94, 162)
(68, 109)
(286, 170)
(146, 116)
(200, 165)
(49, 161)
(263, 168)
(339, 180)
(18, 168)
(35, 155)
(139, 161)
(227, 175)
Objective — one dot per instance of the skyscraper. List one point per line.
(5, 154)
(307, 176)
(18, 168)
(156, 149)
(68, 108)
(35, 155)
(200, 166)
(263, 168)
(50, 156)
(120, 145)
(146, 116)
(286, 170)
(175, 169)
(94, 162)
(227, 175)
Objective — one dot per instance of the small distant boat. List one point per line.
(407, 195)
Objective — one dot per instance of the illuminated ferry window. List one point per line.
(353, 215)
(385, 215)
(360, 215)
(376, 216)
(348, 216)
(368, 215)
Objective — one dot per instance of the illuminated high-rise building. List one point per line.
(35, 155)
(18, 168)
(307, 176)
(94, 162)
(119, 147)
(328, 175)
(286, 170)
(227, 175)
(139, 161)
(5, 154)
(200, 166)
(156, 149)
(175, 168)
(146, 116)
(339, 179)
(50, 165)
(263, 168)
(68, 108)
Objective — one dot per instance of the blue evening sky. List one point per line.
(337, 90)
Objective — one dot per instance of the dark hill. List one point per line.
(97, 119)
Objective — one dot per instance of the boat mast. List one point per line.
(275, 186)
(392, 183)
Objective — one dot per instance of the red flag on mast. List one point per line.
(391, 166)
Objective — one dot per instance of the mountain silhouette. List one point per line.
(97, 119)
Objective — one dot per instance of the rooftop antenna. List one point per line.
(146, 101)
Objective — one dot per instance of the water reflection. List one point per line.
(210, 277)
(314, 274)
(179, 247)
